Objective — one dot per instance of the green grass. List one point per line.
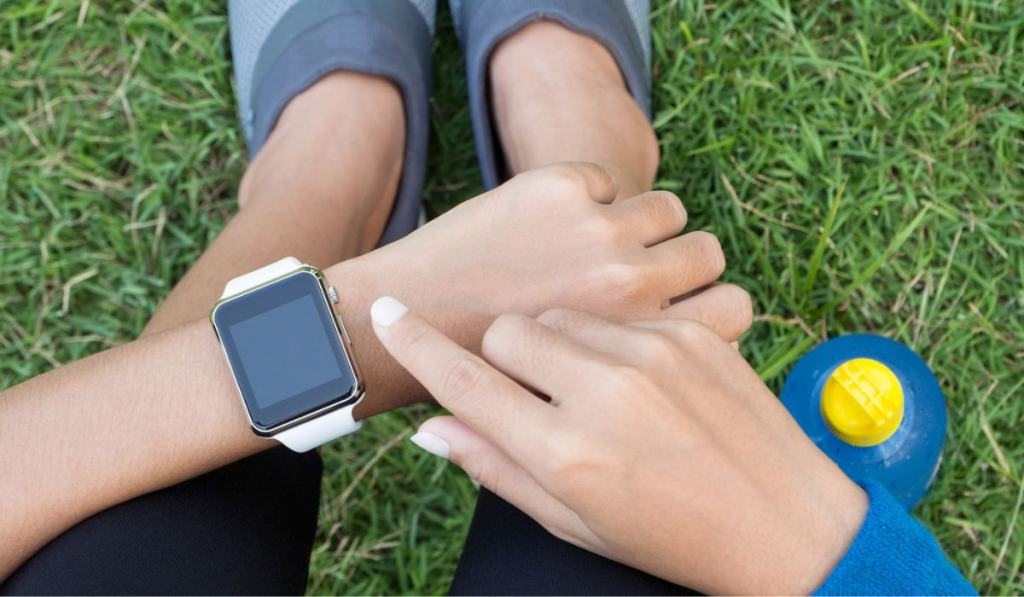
(862, 162)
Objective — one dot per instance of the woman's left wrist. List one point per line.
(387, 385)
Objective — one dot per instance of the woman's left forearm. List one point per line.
(110, 427)
(135, 419)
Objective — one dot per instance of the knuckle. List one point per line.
(691, 333)
(566, 452)
(664, 206)
(622, 283)
(505, 328)
(513, 339)
(461, 378)
(603, 229)
(565, 179)
(745, 308)
(574, 467)
(483, 472)
(526, 178)
(624, 380)
(709, 250)
(657, 348)
(553, 317)
(409, 340)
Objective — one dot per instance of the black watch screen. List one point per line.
(285, 350)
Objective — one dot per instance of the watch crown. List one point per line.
(332, 294)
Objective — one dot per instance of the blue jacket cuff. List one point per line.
(893, 554)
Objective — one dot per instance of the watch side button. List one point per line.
(332, 294)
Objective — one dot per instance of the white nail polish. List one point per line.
(386, 311)
(431, 443)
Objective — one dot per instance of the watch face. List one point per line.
(285, 350)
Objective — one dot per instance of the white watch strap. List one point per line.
(261, 276)
(319, 431)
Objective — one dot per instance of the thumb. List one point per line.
(488, 465)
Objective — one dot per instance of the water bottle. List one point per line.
(874, 407)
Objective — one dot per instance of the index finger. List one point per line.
(599, 184)
(481, 396)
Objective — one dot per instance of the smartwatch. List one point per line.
(289, 354)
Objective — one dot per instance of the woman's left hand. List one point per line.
(659, 447)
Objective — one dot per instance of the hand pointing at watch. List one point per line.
(660, 447)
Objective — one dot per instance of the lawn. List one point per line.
(862, 162)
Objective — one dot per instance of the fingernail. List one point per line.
(431, 443)
(386, 311)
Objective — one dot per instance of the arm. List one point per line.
(164, 408)
(112, 426)
(144, 416)
(126, 422)
(893, 555)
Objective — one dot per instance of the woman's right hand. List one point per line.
(547, 238)
(659, 447)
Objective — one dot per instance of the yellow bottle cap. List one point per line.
(862, 402)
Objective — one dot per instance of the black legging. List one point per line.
(507, 553)
(248, 528)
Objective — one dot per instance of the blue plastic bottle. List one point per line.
(874, 407)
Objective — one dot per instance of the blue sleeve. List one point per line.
(893, 554)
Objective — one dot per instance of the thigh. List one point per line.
(247, 528)
(507, 553)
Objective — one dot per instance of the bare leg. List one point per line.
(320, 189)
(558, 96)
